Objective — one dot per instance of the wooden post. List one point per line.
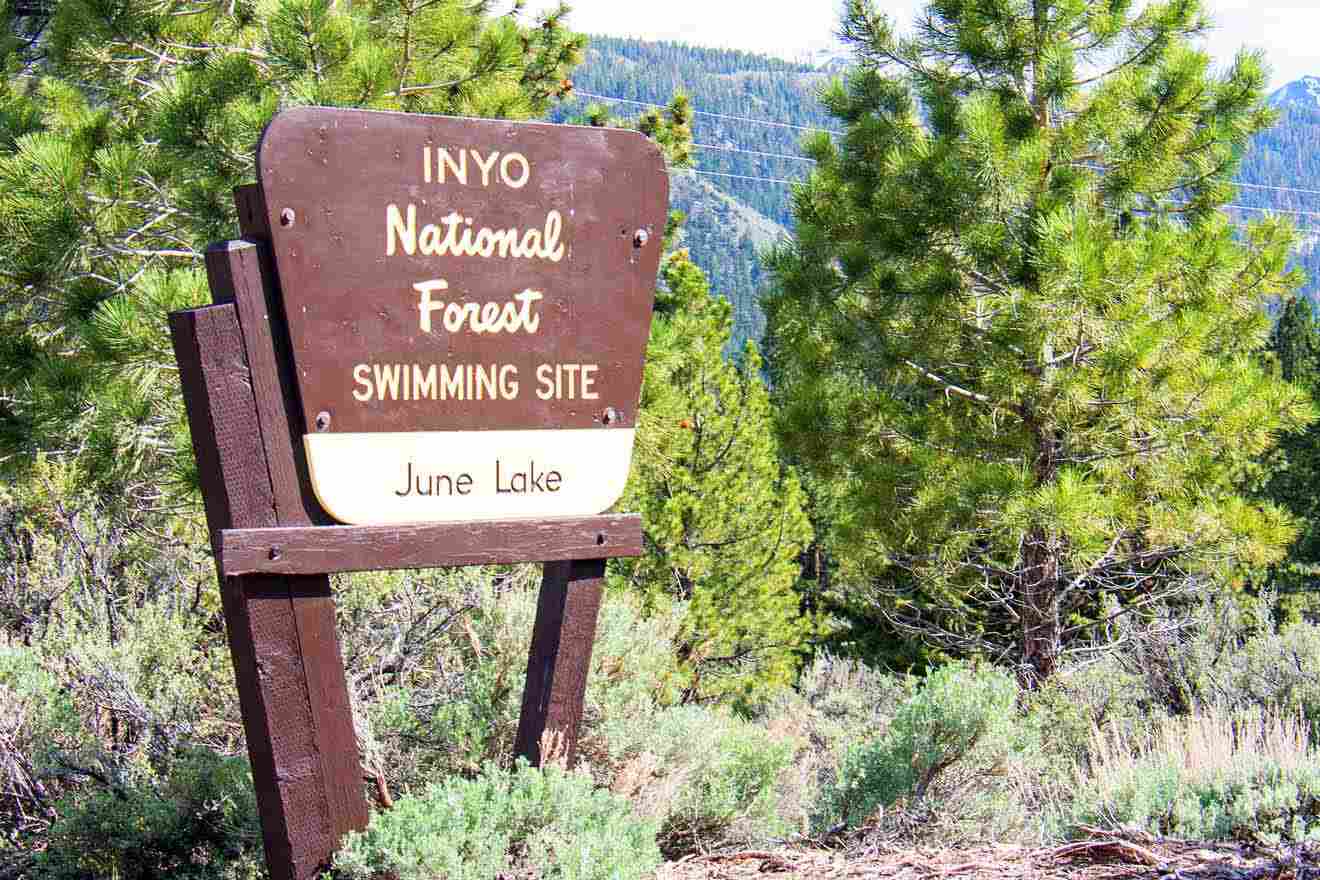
(250, 411)
(292, 688)
(560, 658)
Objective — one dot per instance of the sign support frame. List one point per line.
(236, 371)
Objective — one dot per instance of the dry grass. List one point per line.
(1204, 746)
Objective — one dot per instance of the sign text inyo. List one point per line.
(426, 351)
(465, 299)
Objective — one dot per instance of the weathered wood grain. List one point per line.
(427, 545)
(560, 658)
(241, 272)
(292, 758)
(262, 634)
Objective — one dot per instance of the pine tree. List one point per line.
(724, 523)
(1015, 338)
(125, 126)
(1292, 472)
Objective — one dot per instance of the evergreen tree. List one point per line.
(1015, 338)
(724, 523)
(124, 128)
(1292, 472)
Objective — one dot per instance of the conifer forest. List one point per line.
(976, 457)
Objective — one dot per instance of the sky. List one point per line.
(1285, 29)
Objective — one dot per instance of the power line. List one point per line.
(1313, 192)
(743, 176)
(707, 113)
(780, 180)
(1265, 210)
(754, 153)
(808, 128)
(1238, 183)
(1166, 201)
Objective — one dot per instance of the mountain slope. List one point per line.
(752, 112)
(1281, 172)
(1304, 93)
(749, 106)
(726, 239)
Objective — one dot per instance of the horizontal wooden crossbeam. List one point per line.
(326, 549)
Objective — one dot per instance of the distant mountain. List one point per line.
(835, 60)
(755, 110)
(726, 238)
(1281, 172)
(1305, 92)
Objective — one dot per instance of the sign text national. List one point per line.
(467, 303)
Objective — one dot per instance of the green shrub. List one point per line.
(439, 658)
(1234, 659)
(1276, 671)
(634, 665)
(37, 722)
(1077, 701)
(849, 700)
(705, 775)
(436, 660)
(548, 821)
(1212, 776)
(942, 752)
(200, 823)
(838, 703)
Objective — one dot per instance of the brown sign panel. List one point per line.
(468, 303)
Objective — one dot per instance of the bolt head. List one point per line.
(640, 238)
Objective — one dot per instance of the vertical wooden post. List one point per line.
(292, 688)
(560, 657)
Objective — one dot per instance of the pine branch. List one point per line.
(949, 387)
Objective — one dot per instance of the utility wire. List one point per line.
(1238, 183)
(1264, 210)
(742, 176)
(786, 156)
(1166, 201)
(1313, 192)
(754, 153)
(706, 113)
(1303, 228)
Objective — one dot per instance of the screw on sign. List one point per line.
(426, 351)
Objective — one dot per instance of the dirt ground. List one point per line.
(1103, 857)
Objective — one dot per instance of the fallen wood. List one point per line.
(1111, 857)
(1114, 849)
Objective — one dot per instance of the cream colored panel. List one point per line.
(457, 476)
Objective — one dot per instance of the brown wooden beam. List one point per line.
(560, 660)
(319, 549)
(240, 272)
(292, 689)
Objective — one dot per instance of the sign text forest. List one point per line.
(467, 303)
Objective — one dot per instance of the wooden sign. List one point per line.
(531, 252)
(467, 303)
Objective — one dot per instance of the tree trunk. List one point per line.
(1039, 583)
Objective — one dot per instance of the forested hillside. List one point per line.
(729, 89)
(1281, 172)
